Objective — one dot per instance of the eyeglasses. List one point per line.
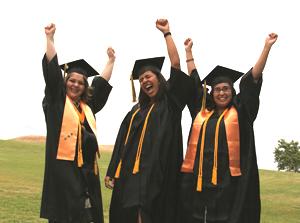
(225, 89)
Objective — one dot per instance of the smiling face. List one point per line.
(149, 84)
(75, 86)
(222, 95)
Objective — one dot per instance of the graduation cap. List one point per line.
(79, 66)
(220, 74)
(141, 65)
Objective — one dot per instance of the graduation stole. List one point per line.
(140, 146)
(71, 131)
(233, 140)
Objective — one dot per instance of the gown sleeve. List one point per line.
(179, 87)
(195, 102)
(249, 95)
(53, 78)
(101, 91)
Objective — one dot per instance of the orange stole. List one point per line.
(69, 129)
(190, 155)
(232, 136)
(233, 141)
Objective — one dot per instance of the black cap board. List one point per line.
(156, 62)
(221, 72)
(79, 66)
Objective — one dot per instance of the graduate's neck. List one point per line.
(152, 100)
(220, 110)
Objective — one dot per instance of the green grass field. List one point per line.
(21, 176)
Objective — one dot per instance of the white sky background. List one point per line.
(229, 33)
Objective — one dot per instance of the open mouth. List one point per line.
(148, 88)
(222, 99)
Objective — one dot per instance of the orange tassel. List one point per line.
(136, 167)
(215, 167)
(79, 157)
(214, 176)
(117, 174)
(199, 183)
(132, 89)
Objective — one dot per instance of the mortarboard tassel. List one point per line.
(133, 89)
(65, 69)
(203, 107)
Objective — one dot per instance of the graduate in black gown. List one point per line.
(220, 181)
(145, 164)
(71, 188)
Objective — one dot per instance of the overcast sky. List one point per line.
(229, 33)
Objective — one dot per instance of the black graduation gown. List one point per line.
(65, 184)
(154, 189)
(234, 199)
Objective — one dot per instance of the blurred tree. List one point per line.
(287, 155)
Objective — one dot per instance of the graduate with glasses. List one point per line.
(220, 181)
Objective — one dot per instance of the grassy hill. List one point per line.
(21, 177)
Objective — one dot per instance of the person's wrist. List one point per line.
(167, 34)
(113, 58)
(50, 38)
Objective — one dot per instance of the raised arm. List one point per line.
(163, 26)
(101, 87)
(50, 48)
(188, 43)
(261, 62)
(106, 73)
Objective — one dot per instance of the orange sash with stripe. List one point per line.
(69, 129)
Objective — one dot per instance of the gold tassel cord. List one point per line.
(199, 180)
(117, 174)
(79, 155)
(215, 167)
(81, 117)
(140, 146)
(130, 124)
(203, 109)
